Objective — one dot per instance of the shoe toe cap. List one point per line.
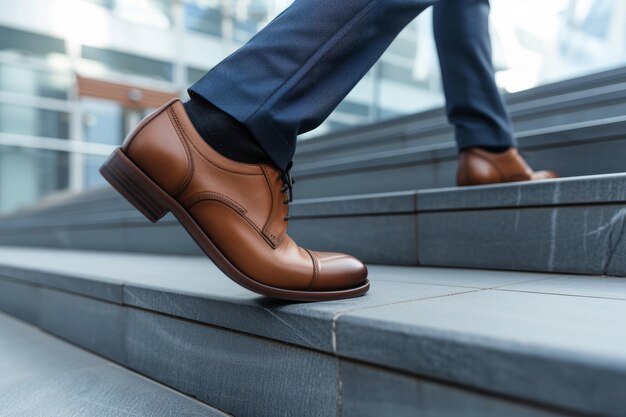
(338, 271)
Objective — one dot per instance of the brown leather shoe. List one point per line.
(477, 166)
(236, 212)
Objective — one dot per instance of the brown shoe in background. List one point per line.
(478, 167)
(236, 212)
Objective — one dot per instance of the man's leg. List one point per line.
(285, 81)
(483, 129)
(289, 77)
(473, 103)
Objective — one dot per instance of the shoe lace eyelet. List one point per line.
(288, 182)
(287, 188)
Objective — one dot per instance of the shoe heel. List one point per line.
(134, 185)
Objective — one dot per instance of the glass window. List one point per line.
(194, 74)
(204, 16)
(397, 73)
(146, 12)
(109, 4)
(103, 121)
(333, 125)
(127, 63)
(29, 43)
(25, 120)
(108, 122)
(405, 48)
(248, 18)
(24, 80)
(353, 108)
(28, 174)
(597, 19)
(92, 175)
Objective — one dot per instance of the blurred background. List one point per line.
(76, 75)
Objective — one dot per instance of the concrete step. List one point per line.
(576, 127)
(41, 375)
(575, 149)
(424, 341)
(572, 225)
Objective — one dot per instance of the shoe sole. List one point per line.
(154, 203)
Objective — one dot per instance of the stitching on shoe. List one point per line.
(242, 215)
(316, 269)
(185, 181)
(266, 229)
(212, 195)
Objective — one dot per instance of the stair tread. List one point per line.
(565, 135)
(426, 321)
(588, 189)
(567, 225)
(42, 375)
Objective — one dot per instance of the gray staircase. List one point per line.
(424, 341)
(570, 225)
(471, 312)
(577, 149)
(576, 127)
(41, 375)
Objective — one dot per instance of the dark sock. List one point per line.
(223, 132)
(495, 149)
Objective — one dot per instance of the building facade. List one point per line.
(76, 75)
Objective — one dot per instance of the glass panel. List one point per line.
(567, 39)
(127, 63)
(204, 16)
(92, 176)
(29, 43)
(109, 4)
(249, 18)
(103, 121)
(146, 12)
(108, 122)
(27, 174)
(30, 121)
(405, 48)
(534, 42)
(18, 79)
(332, 125)
(194, 74)
(353, 108)
(396, 72)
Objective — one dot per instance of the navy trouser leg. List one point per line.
(290, 76)
(473, 103)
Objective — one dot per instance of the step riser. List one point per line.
(538, 239)
(573, 239)
(405, 135)
(567, 226)
(601, 154)
(44, 376)
(580, 240)
(218, 367)
(240, 374)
